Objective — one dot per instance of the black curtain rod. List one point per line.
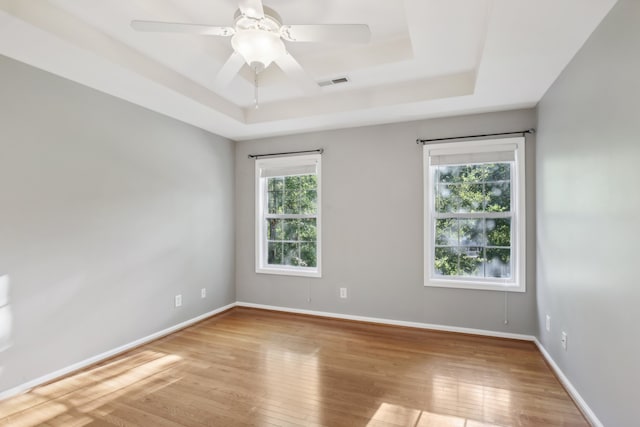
(522, 132)
(257, 156)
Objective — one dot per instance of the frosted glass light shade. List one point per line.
(259, 48)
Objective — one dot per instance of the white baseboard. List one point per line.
(419, 325)
(107, 354)
(586, 410)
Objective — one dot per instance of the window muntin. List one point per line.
(474, 222)
(288, 215)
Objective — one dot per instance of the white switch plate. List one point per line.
(563, 340)
(203, 293)
(178, 301)
(548, 325)
(343, 292)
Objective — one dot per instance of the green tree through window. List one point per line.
(475, 214)
(472, 220)
(291, 232)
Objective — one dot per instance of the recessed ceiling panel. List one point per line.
(426, 58)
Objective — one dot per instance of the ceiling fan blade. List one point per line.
(176, 27)
(251, 8)
(294, 71)
(229, 70)
(340, 33)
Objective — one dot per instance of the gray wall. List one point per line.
(107, 210)
(588, 224)
(372, 228)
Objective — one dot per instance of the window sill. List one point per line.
(290, 272)
(484, 286)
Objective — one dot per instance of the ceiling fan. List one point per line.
(258, 37)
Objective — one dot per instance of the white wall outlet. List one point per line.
(178, 301)
(548, 323)
(343, 293)
(203, 293)
(563, 340)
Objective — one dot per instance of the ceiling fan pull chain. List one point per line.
(256, 87)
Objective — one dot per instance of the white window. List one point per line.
(474, 230)
(288, 215)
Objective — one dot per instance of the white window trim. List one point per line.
(260, 233)
(518, 255)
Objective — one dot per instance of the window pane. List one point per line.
(447, 198)
(498, 263)
(498, 171)
(290, 229)
(308, 230)
(275, 195)
(278, 183)
(271, 183)
(291, 254)
(275, 202)
(448, 173)
(274, 253)
(499, 232)
(308, 254)
(471, 197)
(309, 202)
(471, 262)
(446, 261)
(471, 232)
(498, 196)
(472, 173)
(308, 182)
(447, 232)
(274, 229)
(292, 192)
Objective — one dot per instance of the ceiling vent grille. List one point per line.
(332, 82)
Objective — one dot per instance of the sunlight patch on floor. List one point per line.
(89, 391)
(390, 414)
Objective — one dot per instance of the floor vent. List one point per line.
(335, 81)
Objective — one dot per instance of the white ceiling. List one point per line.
(427, 58)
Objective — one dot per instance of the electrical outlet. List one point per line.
(343, 293)
(178, 301)
(203, 293)
(548, 324)
(563, 340)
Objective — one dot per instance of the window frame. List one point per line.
(517, 282)
(261, 199)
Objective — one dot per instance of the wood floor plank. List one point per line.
(250, 367)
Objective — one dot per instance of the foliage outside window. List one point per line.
(288, 215)
(474, 222)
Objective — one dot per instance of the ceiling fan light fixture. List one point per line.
(259, 48)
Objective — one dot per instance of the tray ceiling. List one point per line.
(427, 58)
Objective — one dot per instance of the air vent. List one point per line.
(335, 81)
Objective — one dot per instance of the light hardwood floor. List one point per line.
(256, 367)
